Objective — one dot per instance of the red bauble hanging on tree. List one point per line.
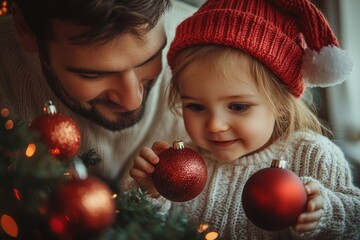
(180, 174)
(59, 132)
(81, 209)
(274, 197)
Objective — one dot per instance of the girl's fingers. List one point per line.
(315, 200)
(144, 181)
(312, 189)
(315, 204)
(149, 155)
(309, 217)
(143, 165)
(136, 173)
(308, 221)
(159, 146)
(301, 228)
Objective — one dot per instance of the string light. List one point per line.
(9, 124)
(4, 112)
(211, 235)
(9, 225)
(4, 7)
(30, 150)
(17, 194)
(202, 227)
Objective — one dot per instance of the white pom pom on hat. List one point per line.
(324, 63)
(328, 67)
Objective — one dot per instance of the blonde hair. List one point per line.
(291, 113)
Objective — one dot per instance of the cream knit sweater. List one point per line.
(312, 157)
(24, 91)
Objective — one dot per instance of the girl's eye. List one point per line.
(238, 107)
(195, 107)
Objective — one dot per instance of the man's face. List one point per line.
(106, 83)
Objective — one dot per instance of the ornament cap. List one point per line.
(50, 108)
(178, 144)
(278, 164)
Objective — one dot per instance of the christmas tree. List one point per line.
(42, 196)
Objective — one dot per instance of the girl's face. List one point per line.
(228, 117)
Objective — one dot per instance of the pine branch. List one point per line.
(90, 158)
(138, 218)
(30, 177)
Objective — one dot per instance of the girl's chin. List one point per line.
(227, 158)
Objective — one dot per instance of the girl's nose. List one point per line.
(217, 124)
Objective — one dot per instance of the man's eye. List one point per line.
(195, 107)
(238, 107)
(89, 76)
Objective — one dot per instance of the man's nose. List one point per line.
(128, 90)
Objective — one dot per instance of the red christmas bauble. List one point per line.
(80, 209)
(59, 132)
(180, 174)
(274, 197)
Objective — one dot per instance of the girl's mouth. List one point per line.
(223, 143)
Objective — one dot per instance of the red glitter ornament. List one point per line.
(180, 174)
(59, 132)
(273, 198)
(81, 209)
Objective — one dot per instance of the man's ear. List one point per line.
(26, 36)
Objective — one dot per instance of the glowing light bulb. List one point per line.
(30, 150)
(202, 227)
(211, 235)
(9, 124)
(4, 112)
(9, 225)
(17, 194)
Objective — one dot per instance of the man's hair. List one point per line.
(104, 19)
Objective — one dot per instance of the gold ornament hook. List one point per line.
(178, 144)
(278, 164)
(50, 108)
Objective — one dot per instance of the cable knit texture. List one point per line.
(276, 32)
(24, 91)
(312, 157)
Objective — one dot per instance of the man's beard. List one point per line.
(124, 119)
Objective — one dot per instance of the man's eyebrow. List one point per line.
(87, 71)
(94, 71)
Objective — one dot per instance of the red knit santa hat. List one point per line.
(273, 31)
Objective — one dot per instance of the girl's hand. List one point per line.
(143, 167)
(308, 220)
